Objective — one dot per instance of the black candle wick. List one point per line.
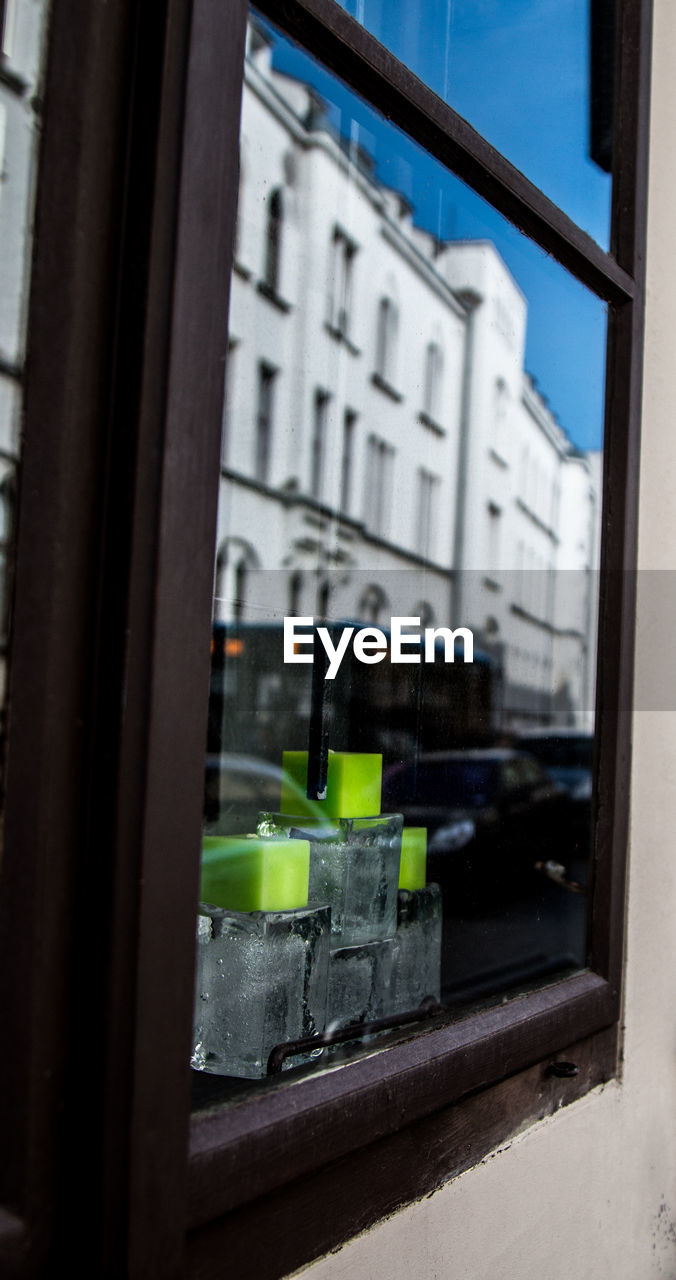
(318, 737)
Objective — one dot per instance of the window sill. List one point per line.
(340, 336)
(12, 79)
(540, 524)
(384, 386)
(272, 296)
(520, 611)
(337, 1111)
(431, 424)
(10, 369)
(395, 1171)
(498, 459)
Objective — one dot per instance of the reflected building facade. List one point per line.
(384, 449)
(23, 31)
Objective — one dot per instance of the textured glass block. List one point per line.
(359, 983)
(416, 956)
(354, 867)
(261, 980)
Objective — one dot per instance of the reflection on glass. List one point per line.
(412, 430)
(532, 76)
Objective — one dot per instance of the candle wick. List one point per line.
(318, 736)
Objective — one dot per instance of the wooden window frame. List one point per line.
(109, 671)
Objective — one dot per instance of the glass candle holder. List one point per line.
(354, 867)
(416, 954)
(261, 981)
(359, 984)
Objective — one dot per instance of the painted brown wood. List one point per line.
(250, 1148)
(320, 1211)
(167, 655)
(620, 497)
(48, 871)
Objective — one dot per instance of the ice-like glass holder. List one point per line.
(416, 949)
(354, 867)
(261, 979)
(359, 984)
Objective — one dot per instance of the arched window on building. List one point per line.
(234, 561)
(386, 339)
(295, 594)
(273, 240)
(323, 598)
(374, 605)
(425, 612)
(239, 596)
(434, 366)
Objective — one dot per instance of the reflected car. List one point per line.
(566, 755)
(483, 807)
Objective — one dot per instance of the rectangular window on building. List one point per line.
(494, 538)
(432, 389)
(229, 401)
(264, 418)
(347, 460)
(387, 345)
(426, 514)
(378, 485)
(342, 266)
(321, 408)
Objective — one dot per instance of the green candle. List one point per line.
(353, 784)
(413, 865)
(249, 873)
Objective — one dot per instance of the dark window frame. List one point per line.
(141, 351)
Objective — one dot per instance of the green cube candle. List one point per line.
(353, 785)
(413, 865)
(249, 873)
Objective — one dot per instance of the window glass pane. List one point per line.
(22, 41)
(534, 77)
(413, 432)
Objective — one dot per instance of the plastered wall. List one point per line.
(590, 1194)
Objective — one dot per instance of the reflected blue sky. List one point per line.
(518, 70)
(565, 346)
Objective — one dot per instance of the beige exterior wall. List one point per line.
(590, 1194)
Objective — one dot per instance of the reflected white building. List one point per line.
(384, 450)
(23, 31)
